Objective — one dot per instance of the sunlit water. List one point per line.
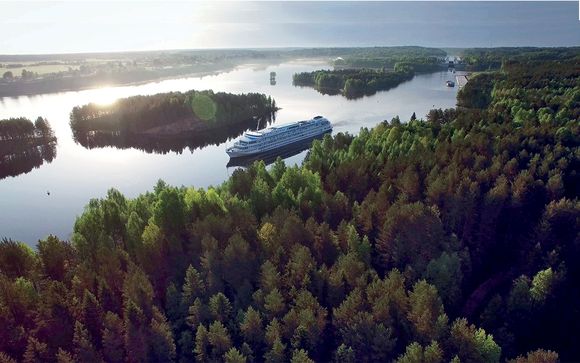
(28, 213)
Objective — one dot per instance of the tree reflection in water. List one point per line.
(20, 159)
(162, 144)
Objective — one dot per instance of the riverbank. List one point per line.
(57, 85)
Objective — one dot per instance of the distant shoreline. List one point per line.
(87, 83)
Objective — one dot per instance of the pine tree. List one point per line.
(433, 353)
(84, 349)
(202, 344)
(193, 287)
(234, 356)
(220, 307)
(251, 328)
(112, 337)
(62, 356)
(5, 358)
(344, 354)
(196, 314)
(174, 308)
(277, 353)
(161, 343)
(135, 335)
(36, 351)
(219, 339)
(301, 356)
(92, 316)
(274, 304)
(538, 356)
(426, 311)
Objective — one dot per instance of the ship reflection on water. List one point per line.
(270, 156)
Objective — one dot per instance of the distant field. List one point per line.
(40, 69)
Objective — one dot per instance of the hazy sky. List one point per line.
(65, 27)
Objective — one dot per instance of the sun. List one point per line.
(105, 96)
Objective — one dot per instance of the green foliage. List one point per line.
(234, 356)
(21, 129)
(415, 353)
(380, 57)
(364, 71)
(169, 119)
(251, 328)
(477, 92)
(83, 346)
(542, 284)
(220, 307)
(16, 259)
(219, 340)
(453, 238)
(426, 313)
(168, 212)
(113, 350)
(494, 58)
(537, 356)
(193, 287)
(354, 83)
(300, 356)
(474, 345)
(446, 275)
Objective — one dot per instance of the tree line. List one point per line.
(481, 59)
(452, 238)
(22, 128)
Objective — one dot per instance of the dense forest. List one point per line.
(25, 145)
(170, 121)
(449, 239)
(482, 59)
(354, 83)
(422, 59)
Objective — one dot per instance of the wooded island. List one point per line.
(170, 121)
(353, 83)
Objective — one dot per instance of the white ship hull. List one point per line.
(276, 137)
(270, 156)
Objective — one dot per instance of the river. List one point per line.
(47, 199)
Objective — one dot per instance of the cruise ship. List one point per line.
(279, 136)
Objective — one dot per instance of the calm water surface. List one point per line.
(27, 213)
